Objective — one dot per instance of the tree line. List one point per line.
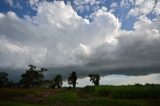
(34, 77)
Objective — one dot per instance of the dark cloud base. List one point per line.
(15, 74)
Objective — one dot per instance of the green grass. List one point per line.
(126, 92)
(11, 103)
(65, 97)
(148, 95)
(20, 92)
(114, 102)
(89, 102)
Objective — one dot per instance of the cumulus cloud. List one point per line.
(87, 5)
(61, 40)
(126, 3)
(113, 6)
(157, 8)
(13, 4)
(144, 7)
(34, 2)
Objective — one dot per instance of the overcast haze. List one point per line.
(86, 36)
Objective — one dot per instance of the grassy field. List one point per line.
(137, 95)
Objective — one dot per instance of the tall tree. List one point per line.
(94, 78)
(57, 81)
(32, 77)
(3, 79)
(72, 79)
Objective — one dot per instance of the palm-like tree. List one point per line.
(94, 78)
(72, 79)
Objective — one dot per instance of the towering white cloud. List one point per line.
(58, 37)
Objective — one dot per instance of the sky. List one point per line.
(86, 36)
(118, 80)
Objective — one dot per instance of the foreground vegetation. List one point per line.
(34, 90)
(135, 95)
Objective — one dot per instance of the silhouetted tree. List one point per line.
(3, 79)
(57, 82)
(72, 79)
(32, 77)
(94, 78)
